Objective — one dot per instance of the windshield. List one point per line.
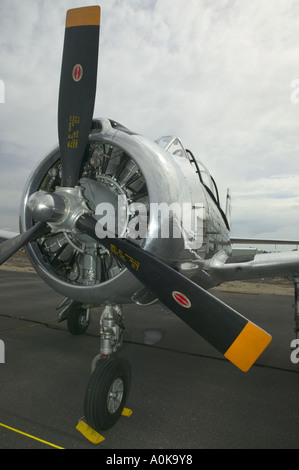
(173, 145)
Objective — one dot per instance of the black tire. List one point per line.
(76, 320)
(106, 393)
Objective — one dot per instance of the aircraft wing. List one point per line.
(7, 234)
(263, 241)
(222, 268)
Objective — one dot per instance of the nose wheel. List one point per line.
(78, 320)
(76, 315)
(106, 393)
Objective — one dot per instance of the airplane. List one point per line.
(71, 242)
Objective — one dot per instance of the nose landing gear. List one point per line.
(110, 381)
(109, 384)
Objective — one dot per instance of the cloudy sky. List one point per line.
(222, 75)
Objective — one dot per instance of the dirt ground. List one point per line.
(277, 286)
(18, 262)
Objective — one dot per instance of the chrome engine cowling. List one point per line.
(118, 166)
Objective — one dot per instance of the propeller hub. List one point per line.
(60, 210)
(46, 207)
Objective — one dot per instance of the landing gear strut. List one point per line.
(109, 384)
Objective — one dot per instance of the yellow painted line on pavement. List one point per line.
(19, 328)
(30, 436)
(27, 326)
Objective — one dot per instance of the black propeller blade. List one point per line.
(10, 247)
(75, 107)
(77, 88)
(238, 339)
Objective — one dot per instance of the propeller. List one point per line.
(237, 338)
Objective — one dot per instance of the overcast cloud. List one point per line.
(218, 74)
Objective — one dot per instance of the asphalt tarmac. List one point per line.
(184, 395)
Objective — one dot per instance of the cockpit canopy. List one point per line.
(174, 146)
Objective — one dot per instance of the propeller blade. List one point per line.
(237, 338)
(11, 246)
(77, 88)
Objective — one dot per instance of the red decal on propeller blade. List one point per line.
(77, 72)
(181, 299)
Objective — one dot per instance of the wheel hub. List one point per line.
(115, 395)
